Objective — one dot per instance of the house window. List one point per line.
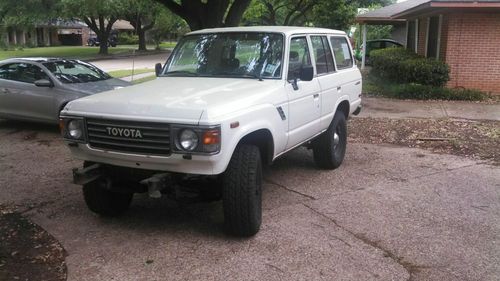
(412, 35)
(433, 38)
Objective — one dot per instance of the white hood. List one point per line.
(176, 99)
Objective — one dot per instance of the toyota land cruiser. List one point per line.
(227, 101)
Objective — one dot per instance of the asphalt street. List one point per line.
(136, 62)
(388, 213)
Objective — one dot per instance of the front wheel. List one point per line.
(242, 191)
(329, 148)
(101, 200)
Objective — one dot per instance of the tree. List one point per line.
(201, 14)
(142, 15)
(167, 24)
(287, 12)
(99, 15)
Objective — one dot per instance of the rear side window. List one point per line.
(322, 54)
(298, 57)
(22, 72)
(342, 52)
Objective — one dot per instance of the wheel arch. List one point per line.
(263, 139)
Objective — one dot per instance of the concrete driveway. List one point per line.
(389, 213)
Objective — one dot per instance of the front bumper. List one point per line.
(178, 163)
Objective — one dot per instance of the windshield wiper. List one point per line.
(182, 72)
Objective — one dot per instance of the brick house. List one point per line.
(463, 33)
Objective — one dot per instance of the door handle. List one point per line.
(339, 88)
(357, 83)
(5, 91)
(315, 96)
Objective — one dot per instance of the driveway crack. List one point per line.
(289, 189)
(411, 268)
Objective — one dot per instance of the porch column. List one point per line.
(363, 57)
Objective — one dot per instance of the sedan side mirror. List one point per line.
(158, 69)
(306, 73)
(44, 83)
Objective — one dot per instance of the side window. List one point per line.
(298, 57)
(342, 52)
(8, 71)
(22, 72)
(322, 54)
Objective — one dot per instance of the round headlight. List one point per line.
(75, 129)
(188, 139)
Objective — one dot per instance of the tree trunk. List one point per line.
(142, 38)
(101, 30)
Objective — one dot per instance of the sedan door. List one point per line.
(22, 99)
(304, 99)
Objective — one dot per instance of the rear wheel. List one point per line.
(329, 148)
(101, 200)
(242, 191)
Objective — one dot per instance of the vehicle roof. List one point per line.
(287, 30)
(34, 59)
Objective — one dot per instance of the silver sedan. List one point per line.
(37, 89)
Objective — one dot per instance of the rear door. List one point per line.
(304, 101)
(347, 71)
(21, 98)
(327, 77)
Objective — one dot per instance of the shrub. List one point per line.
(427, 92)
(404, 66)
(126, 39)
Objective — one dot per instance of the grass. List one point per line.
(80, 52)
(144, 79)
(128, 72)
(168, 45)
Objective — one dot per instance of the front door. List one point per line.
(305, 99)
(21, 98)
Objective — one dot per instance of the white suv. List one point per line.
(227, 101)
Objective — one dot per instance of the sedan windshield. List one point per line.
(72, 71)
(235, 54)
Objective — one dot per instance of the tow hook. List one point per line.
(155, 184)
(86, 175)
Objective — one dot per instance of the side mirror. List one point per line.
(306, 73)
(44, 83)
(158, 69)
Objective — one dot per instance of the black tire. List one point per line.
(105, 202)
(328, 152)
(242, 192)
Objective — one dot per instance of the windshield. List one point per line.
(235, 54)
(71, 71)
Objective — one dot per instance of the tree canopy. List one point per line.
(201, 14)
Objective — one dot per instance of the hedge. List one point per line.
(426, 92)
(404, 66)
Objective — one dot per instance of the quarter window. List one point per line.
(322, 54)
(298, 57)
(342, 52)
(22, 72)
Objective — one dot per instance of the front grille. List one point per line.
(129, 136)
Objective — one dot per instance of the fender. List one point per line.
(269, 120)
(328, 118)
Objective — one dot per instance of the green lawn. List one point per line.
(128, 72)
(63, 52)
(168, 45)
